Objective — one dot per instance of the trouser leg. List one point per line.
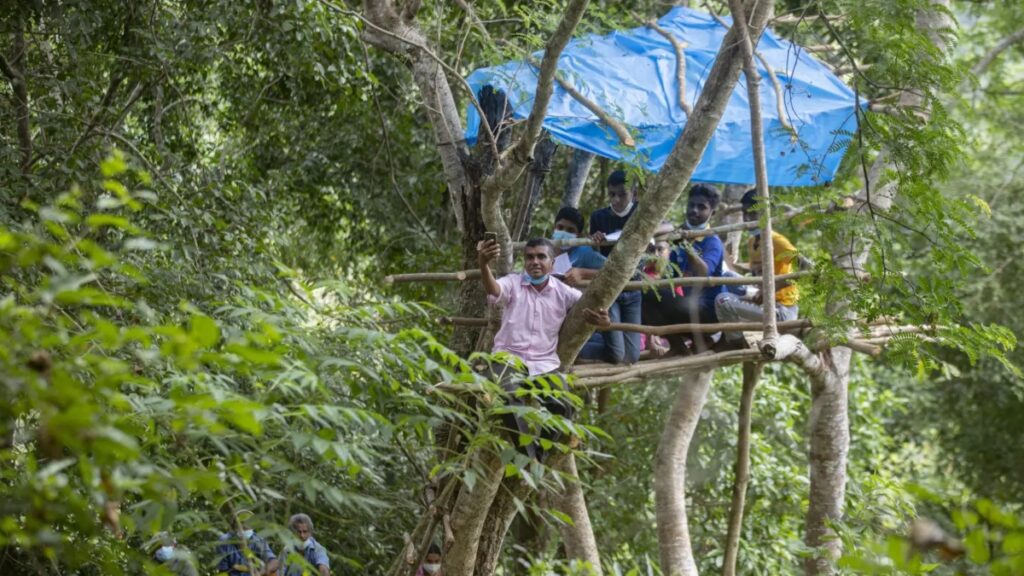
(630, 313)
(614, 344)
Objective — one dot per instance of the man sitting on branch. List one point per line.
(701, 258)
(732, 307)
(535, 305)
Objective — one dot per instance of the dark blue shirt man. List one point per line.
(700, 258)
(622, 346)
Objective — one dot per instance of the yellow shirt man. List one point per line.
(785, 255)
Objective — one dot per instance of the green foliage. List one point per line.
(119, 422)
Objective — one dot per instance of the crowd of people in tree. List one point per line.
(536, 301)
(241, 551)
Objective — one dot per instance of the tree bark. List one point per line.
(470, 514)
(577, 538)
(576, 177)
(751, 376)
(670, 475)
(829, 438)
(544, 153)
(500, 516)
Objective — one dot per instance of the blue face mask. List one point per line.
(164, 553)
(562, 235)
(755, 232)
(537, 281)
(703, 226)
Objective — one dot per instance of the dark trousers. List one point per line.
(548, 387)
(664, 307)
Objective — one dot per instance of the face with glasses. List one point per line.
(619, 197)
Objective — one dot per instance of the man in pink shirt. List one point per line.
(535, 305)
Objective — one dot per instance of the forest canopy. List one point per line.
(204, 207)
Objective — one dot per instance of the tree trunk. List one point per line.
(829, 434)
(829, 426)
(537, 173)
(751, 375)
(499, 518)
(470, 514)
(576, 180)
(577, 538)
(731, 196)
(670, 475)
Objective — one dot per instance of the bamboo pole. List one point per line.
(463, 275)
(751, 376)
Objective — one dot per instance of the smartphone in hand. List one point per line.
(490, 237)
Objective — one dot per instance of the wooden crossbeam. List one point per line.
(463, 275)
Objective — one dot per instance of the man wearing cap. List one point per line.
(242, 552)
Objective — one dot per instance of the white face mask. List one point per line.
(248, 533)
(431, 568)
(703, 226)
(164, 553)
(624, 212)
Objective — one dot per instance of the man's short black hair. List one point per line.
(572, 215)
(749, 199)
(534, 242)
(708, 191)
(617, 177)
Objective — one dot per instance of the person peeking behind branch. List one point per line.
(732, 307)
(535, 304)
(431, 563)
(580, 264)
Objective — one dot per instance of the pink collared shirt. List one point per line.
(532, 319)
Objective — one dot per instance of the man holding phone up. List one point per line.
(535, 305)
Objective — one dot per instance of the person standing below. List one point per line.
(605, 222)
(535, 304)
(231, 549)
(312, 552)
(701, 258)
(732, 307)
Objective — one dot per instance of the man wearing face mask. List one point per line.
(734, 308)
(312, 552)
(176, 560)
(243, 552)
(579, 264)
(626, 308)
(700, 258)
(432, 563)
(535, 304)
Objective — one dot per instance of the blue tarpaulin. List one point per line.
(632, 76)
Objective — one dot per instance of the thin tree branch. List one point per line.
(680, 50)
(385, 133)
(760, 169)
(996, 50)
(751, 376)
